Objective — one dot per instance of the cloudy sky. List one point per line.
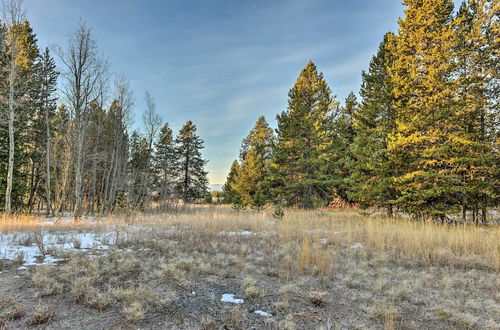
(219, 63)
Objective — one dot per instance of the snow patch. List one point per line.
(262, 313)
(357, 246)
(229, 298)
(244, 233)
(22, 246)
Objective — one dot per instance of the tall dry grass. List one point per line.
(420, 242)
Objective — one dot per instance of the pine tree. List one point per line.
(138, 167)
(303, 151)
(260, 138)
(343, 137)
(426, 141)
(229, 194)
(165, 163)
(258, 201)
(371, 180)
(478, 112)
(18, 54)
(255, 154)
(193, 182)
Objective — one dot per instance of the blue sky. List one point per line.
(222, 64)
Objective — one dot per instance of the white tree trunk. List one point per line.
(10, 168)
(48, 151)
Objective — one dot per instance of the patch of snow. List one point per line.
(262, 313)
(229, 298)
(357, 246)
(244, 233)
(323, 240)
(12, 245)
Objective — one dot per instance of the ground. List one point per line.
(216, 268)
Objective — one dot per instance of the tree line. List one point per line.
(65, 132)
(423, 138)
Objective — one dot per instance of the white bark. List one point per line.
(12, 16)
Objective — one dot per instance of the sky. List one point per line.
(222, 64)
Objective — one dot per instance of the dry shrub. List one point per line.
(41, 315)
(19, 258)
(134, 312)
(249, 285)
(83, 289)
(231, 318)
(317, 298)
(10, 309)
(77, 244)
(100, 300)
(138, 293)
(44, 281)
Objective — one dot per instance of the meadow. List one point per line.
(211, 267)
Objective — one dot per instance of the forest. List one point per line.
(421, 138)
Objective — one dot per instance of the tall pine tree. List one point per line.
(426, 141)
(228, 192)
(255, 155)
(299, 167)
(371, 180)
(165, 163)
(193, 182)
(343, 135)
(476, 51)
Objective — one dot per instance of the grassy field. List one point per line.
(310, 270)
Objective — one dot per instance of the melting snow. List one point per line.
(356, 246)
(244, 233)
(12, 248)
(229, 298)
(262, 313)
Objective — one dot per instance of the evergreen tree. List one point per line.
(165, 163)
(138, 169)
(343, 136)
(228, 192)
(426, 142)
(258, 201)
(193, 182)
(255, 154)
(478, 111)
(372, 174)
(260, 138)
(18, 54)
(303, 152)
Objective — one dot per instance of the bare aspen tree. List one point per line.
(120, 120)
(151, 120)
(102, 94)
(82, 71)
(152, 124)
(13, 15)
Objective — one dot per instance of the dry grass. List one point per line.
(41, 315)
(170, 270)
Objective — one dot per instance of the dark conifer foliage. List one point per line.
(192, 182)
(298, 172)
